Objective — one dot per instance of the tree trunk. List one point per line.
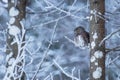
(15, 39)
(97, 33)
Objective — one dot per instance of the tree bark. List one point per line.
(97, 33)
(16, 10)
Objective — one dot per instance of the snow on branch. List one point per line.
(15, 70)
(108, 36)
(62, 70)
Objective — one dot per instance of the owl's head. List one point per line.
(78, 30)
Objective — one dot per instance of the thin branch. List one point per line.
(68, 75)
(79, 74)
(72, 5)
(113, 60)
(51, 21)
(113, 49)
(61, 10)
(73, 72)
(45, 54)
(31, 11)
(46, 78)
(70, 40)
(108, 36)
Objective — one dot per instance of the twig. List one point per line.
(46, 78)
(73, 72)
(61, 10)
(68, 75)
(51, 76)
(108, 36)
(70, 40)
(33, 27)
(113, 49)
(45, 54)
(31, 11)
(79, 74)
(113, 60)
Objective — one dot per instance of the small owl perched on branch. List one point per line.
(82, 38)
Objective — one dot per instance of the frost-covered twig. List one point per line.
(108, 36)
(113, 49)
(61, 10)
(62, 70)
(51, 76)
(72, 5)
(73, 72)
(31, 11)
(79, 74)
(113, 60)
(46, 78)
(70, 40)
(45, 54)
(51, 21)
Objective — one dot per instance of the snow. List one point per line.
(98, 54)
(96, 63)
(12, 20)
(92, 59)
(95, 36)
(13, 11)
(97, 73)
(92, 45)
(14, 30)
(10, 62)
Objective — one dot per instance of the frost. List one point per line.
(5, 1)
(95, 36)
(97, 73)
(93, 45)
(98, 54)
(14, 30)
(13, 11)
(96, 63)
(12, 20)
(92, 59)
(10, 62)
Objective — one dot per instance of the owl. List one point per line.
(81, 38)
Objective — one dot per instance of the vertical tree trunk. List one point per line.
(15, 37)
(97, 33)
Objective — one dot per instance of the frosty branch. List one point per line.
(108, 36)
(45, 53)
(68, 75)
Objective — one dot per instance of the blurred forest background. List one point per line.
(47, 23)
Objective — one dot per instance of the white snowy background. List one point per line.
(49, 21)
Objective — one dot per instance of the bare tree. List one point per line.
(15, 40)
(97, 33)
